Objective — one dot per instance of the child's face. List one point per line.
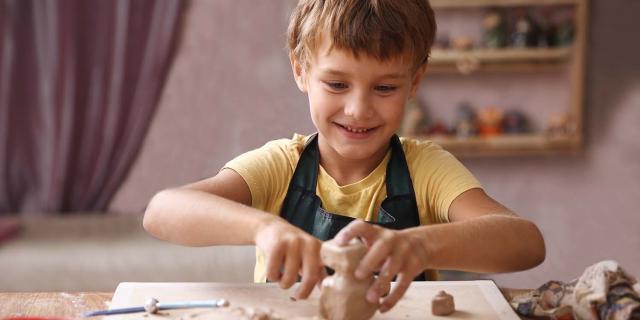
(356, 104)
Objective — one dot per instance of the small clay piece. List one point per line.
(442, 304)
(245, 313)
(342, 295)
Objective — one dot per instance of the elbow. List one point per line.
(152, 220)
(537, 250)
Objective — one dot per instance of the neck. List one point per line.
(344, 170)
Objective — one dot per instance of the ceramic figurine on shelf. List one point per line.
(494, 30)
(565, 33)
(524, 34)
(561, 124)
(490, 122)
(438, 128)
(463, 43)
(548, 33)
(443, 42)
(514, 122)
(466, 121)
(415, 120)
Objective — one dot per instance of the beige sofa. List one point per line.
(96, 252)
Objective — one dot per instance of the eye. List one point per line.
(336, 85)
(383, 88)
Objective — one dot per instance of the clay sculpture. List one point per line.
(342, 295)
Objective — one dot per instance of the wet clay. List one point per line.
(342, 295)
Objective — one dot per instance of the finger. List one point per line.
(402, 284)
(274, 263)
(382, 282)
(372, 261)
(312, 271)
(356, 228)
(291, 266)
(390, 269)
(323, 274)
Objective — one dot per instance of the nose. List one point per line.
(358, 106)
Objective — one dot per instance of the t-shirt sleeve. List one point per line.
(266, 170)
(438, 179)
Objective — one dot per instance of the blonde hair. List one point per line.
(383, 29)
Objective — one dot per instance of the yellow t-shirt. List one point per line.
(438, 178)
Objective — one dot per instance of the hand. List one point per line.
(391, 252)
(293, 251)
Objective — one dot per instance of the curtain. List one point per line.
(80, 81)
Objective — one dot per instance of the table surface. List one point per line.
(72, 305)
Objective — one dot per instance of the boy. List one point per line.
(359, 61)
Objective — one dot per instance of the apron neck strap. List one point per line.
(398, 180)
(306, 173)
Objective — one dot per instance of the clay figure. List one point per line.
(466, 121)
(514, 122)
(490, 122)
(525, 33)
(438, 128)
(494, 32)
(548, 32)
(442, 304)
(443, 42)
(342, 295)
(462, 43)
(566, 32)
(415, 120)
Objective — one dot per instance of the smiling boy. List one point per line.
(359, 62)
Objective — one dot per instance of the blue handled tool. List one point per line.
(153, 306)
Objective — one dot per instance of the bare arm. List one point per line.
(483, 236)
(214, 211)
(217, 211)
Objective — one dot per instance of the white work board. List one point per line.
(473, 299)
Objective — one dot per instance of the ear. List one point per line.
(417, 79)
(298, 73)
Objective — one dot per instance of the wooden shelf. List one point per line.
(568, 61)
(454, 4)
(508, 145)
(500, 60)
(502, 55)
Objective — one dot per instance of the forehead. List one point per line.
(327, 58)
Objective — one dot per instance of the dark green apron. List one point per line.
(303, 208)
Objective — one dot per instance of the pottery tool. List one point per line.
(153, 306)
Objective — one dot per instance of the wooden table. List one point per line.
(72, 305)
(52, 304)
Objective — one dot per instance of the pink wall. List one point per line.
(231, 90)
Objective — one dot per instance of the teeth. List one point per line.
(356, 130)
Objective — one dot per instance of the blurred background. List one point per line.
(104, 103)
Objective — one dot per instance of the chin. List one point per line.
(355, 153)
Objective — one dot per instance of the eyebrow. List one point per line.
(342, 73)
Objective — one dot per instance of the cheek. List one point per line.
(323, 102)
(393, 110)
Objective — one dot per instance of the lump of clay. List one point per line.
(442, 304)
(343, 296)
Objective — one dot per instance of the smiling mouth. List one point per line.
(355, 129)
